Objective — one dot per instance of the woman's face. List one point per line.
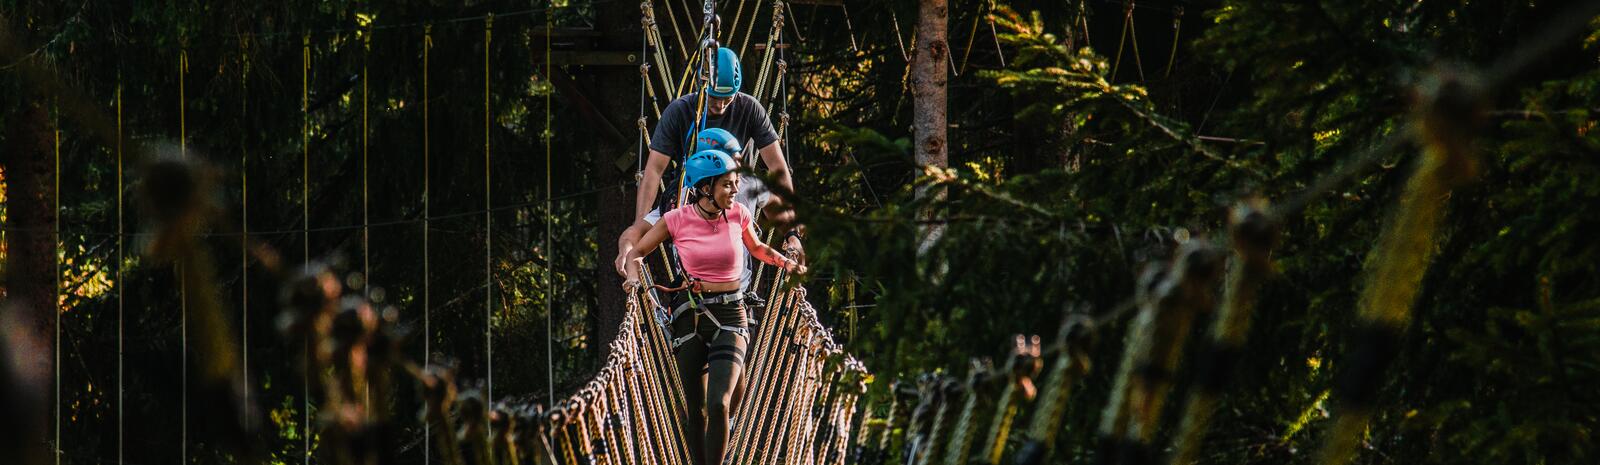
(723, 189)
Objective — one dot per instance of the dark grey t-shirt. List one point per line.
(745, 118)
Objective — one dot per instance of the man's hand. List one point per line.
(622, 259)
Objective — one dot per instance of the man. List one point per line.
(726, 108)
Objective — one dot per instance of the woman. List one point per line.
(709, 325)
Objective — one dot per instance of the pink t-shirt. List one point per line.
(711, 250)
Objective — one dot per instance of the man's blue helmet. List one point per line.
(729, 77)
(717, 139)
(706, 164)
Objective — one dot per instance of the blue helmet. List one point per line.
(717, 139)
(729, 77)
(706, 164)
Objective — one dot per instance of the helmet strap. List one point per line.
(713, 199)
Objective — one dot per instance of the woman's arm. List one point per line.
(767, 254)
(652, 238)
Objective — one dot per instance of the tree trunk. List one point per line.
(30, 286)
(617, 100)
(930, 93)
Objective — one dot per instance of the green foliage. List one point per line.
(1494, 366)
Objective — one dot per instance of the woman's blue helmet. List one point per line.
(706, 164)
(717, 139)
(729, 77)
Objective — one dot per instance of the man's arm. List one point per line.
(650, 185)
(779, 214)
(777, 167)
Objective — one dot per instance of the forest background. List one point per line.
(1085, 139)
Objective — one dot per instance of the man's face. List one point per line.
(719, 105)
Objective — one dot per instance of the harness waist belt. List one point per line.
(721, 299)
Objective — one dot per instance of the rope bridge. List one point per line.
(799, 406)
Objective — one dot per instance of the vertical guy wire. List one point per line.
(366, 229)
(60, 252)
(427, 330)
(549, 212)
(305, 225)
(366, 244)
(488, 225)
(244, 237)
(119, 271)
(183, 291)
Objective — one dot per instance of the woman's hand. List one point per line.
(621, 263)
(630, 272)
(793, 266)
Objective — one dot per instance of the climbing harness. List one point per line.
(701, 306)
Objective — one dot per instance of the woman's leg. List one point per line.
(691, 358)
(726, 362)
(738, 394)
